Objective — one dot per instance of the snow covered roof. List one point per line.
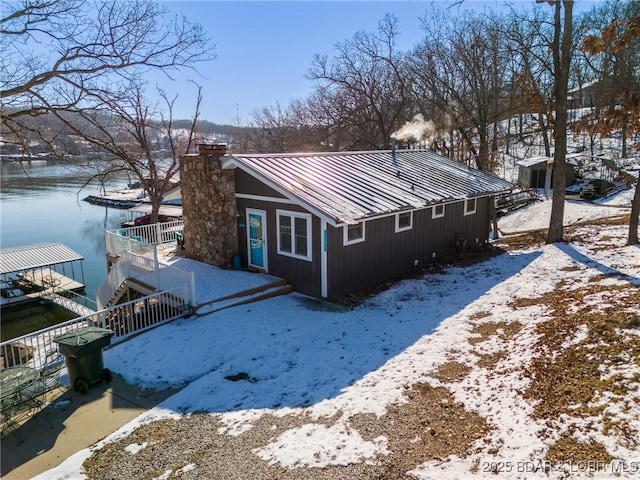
(169, 210)
(346, 187)
(530, 162)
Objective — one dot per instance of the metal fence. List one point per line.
(137, 249)
(147, 270)
(136, 239)
(124, 320)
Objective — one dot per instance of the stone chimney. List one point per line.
(209, 206)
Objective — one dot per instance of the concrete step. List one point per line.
(248, 296)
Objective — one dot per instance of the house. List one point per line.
(532, 172)
(602, 91)
(333, 223)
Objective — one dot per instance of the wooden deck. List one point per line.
(48, 278)
(36, 284)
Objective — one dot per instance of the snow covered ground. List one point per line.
(537, 215)
(296, 355)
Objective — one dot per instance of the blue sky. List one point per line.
(264, 48)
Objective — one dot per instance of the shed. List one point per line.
(532, 172)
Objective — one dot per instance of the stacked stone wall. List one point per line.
(209, 210)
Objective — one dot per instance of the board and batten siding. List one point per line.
(385, 255)
(303, 275)
(382, 256)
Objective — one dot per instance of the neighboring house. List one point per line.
(590, 94)
(532, 172)
(334, 223)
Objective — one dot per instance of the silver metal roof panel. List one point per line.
(347, 187)
(28, 257)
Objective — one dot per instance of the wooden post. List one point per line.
(494, 217)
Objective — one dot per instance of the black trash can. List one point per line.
(82, 350)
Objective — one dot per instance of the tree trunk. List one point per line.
(156, 203)
(483, 150)
(544, 132)
(508, 139)
(561, 63)
(635, 213)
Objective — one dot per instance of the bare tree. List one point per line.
(612, 49)
(275, 129)
(63, 55)
(458, 71)
(561, 52)
(531, 72)
(368, 78)
(136, 138)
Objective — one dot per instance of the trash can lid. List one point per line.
(83, 336)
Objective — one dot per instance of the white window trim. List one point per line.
(438, 215)
(293, 215)
(408, 227)
(467, 210)
(345, 237)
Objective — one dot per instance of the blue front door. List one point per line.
(257, 238)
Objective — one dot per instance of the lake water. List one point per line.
(42, 202)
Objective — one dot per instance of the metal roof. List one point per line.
(347, 187)
(28, 257)
(168, 210)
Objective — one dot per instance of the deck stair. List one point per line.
(262, 292)
(133, 288)
(118, 294)
(616, 188)
(130, 286)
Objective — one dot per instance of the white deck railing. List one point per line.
(137, 248)
(136, 239)
(123, 319)
(148, 271)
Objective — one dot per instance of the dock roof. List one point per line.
(29, 257)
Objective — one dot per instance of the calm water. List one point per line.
(42, 202)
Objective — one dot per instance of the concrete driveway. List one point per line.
(72, 422)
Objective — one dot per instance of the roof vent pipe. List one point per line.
(394, 160)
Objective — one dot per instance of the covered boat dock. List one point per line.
(29, 271)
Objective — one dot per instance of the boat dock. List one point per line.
(35, 271)
(125, 198)
(45, 278)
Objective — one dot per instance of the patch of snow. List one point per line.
(324, 446)
(135, 448)
(321, 363)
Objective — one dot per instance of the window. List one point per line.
(404, 221)
(354, 233)
(294, 234)
(437, 211)
(470, 205)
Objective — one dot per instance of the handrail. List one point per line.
(147, 270)
(134, 239)
(123, 319)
